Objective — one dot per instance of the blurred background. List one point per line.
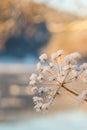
(27, 29)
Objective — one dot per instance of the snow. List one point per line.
(76, 120)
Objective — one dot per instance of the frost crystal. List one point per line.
(33, 77)
(43, 57)
(59, 53)
(53, 77)
(76, 55)
(39, 67)
(40, 78)
(83, 66)
(83, 96)
(51, 65)
(32, 82)
(34, 89)
(56, 54)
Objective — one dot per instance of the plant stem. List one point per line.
(75, 93)
(69, 90)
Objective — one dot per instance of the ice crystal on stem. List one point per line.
(54, 75)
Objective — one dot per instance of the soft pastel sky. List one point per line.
(78, 7)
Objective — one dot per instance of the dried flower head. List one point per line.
(53, 77)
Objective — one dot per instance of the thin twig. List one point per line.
(75, 93)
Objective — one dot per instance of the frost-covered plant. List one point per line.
(54, 75)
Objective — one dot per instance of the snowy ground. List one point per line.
(72, 120)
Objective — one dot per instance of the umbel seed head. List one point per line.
(54, 76)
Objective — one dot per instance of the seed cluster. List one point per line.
(54, 75)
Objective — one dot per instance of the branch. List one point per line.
(75, 93)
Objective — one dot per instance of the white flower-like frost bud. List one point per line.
(34, 89)
(45, 106)
(57, 54)
(40, 78)
(76, 55)
(32, 82)
(83, 66)
(33, 77)
(69, 60)
(82, 96)
(38, 107)
(60, 52)
(51, 65)
(37, 99)
(43, 57)
(45, 90)
(39, 67)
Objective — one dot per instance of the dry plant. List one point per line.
(53, 77)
